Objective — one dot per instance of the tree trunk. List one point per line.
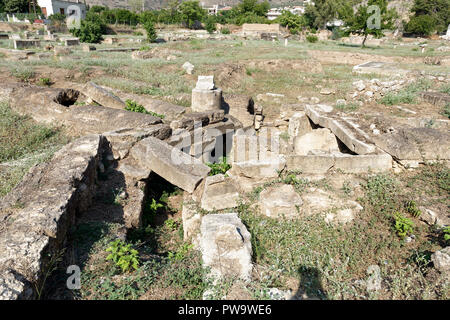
(364, 41)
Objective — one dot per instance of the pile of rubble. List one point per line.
(374, 89)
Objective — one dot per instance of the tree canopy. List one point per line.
(371, 19)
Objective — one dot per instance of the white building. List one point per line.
(50, 7)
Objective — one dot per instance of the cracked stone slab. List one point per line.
(172, 164)
(346, 132)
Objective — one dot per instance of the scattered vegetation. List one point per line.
(22, 73)
(312, 38)
(407, 95)
(25, 142)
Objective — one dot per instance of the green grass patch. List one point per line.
(407, 95)
(23, 143)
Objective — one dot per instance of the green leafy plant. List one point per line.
(447, 233)
(221, 167)
(171, 224)
(180, 253)
(136, 107)
(154, 206)
(225, 31)
(403, 226)
(411, 208)
(45, 81)
(123, 255)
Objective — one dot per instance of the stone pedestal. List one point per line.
(205, 99)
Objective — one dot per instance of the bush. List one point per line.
(294, 22)
(311, 38)
(150, 30)
(336, 33)
(420, 25)
(210, 24)
(225, 31)
(88, 32)
(446, 110)
(57, 17)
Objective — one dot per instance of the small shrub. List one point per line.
(210, 24)
(45, 81)
(402, 225)
(137, 33)
(89, 31)
(150, 30)
(123, 255)
(311, 38)
(336, 33)
(446, 111)
(225, 31)
(221, 167)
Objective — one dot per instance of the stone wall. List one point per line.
(37, 215)
(260, 27)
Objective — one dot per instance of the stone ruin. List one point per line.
(36, 217)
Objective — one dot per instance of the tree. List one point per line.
(371, 19)
(150, 29)
(16, 6)
(191, 12)
(210, 24)
(323, 11)
(437, 11)
(421, 25)
(89, 31)
(91, 28)
(294, 22)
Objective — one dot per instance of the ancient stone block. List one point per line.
(170, 163)
(102, 96)
(219, 193)
(225, 246)
(319, 139)
(280, 201)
